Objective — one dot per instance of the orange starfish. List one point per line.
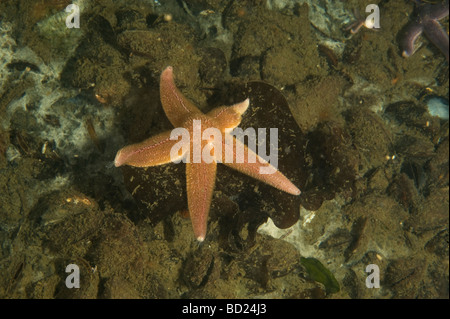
(200, 172)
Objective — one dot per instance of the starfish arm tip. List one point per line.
(200, 239)
(290, 188)
(406, 54)
(167, 73)
(118, 160)
(242, 106)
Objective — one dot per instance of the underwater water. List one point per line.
(360, 126)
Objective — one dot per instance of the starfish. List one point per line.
(220, 148)
(427, 21)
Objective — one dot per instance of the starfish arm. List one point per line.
(436, 11)
(412, 32)
(200, 180)
(253, 168)
(229, 117)
(176, 106)
(151, 152)
(436, 34)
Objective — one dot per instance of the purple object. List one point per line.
(426, 21)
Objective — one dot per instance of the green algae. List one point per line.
(319, 273)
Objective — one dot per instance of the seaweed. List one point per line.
(320, 273)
